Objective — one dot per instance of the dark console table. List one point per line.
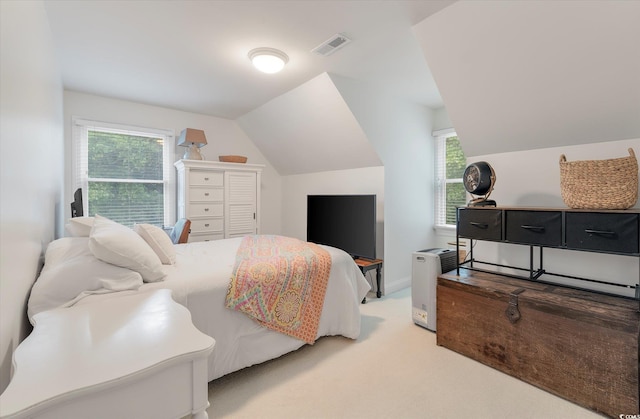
(602, 231)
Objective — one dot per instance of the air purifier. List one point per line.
(426, 266)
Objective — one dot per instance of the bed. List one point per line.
(76, 273)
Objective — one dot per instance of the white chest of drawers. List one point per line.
(131, 356)
(222, 200)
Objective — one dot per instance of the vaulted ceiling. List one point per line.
(192, 55)
(299, 129)
(512, 75)
(523, 75)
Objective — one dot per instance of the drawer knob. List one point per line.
(206, 225)
(206, 209)
(206, 178)
(206, 194)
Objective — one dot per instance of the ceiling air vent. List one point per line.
(331, 45)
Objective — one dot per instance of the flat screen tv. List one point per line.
(347, 222)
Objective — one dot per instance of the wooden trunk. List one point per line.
(579, 345)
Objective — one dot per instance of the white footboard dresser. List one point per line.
(131, 356)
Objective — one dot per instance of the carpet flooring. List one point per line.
(394, 370)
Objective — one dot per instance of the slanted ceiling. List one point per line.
(309, 129)
(525, 75)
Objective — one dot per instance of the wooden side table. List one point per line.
(131, 356)
(366, 265)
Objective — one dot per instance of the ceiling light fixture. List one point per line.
(268, 60)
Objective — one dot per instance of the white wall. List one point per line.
(532, 178)
(401, 134)
(31, 162)
(295, 189)
(223, 137)
(441, 119)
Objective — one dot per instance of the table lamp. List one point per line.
(194, 139)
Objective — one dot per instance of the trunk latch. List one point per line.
(513, 314)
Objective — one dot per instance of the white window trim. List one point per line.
(440, 199)
(445, 230)
(79, 170)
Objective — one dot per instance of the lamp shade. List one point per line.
(191, 136)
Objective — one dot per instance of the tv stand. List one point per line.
(366, 265)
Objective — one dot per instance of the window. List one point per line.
(450, 165)
(126, 173)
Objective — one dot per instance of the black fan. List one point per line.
(479, 179)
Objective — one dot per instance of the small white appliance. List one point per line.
(426, 266)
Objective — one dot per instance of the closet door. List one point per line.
(241, 204)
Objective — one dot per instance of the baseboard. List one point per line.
(391, 287)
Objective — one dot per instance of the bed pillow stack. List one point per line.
(71, 272)
(156, 238)
(121, 246)
(103, 256)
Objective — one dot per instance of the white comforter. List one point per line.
(199, 281)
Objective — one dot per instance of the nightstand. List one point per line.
(366, 265)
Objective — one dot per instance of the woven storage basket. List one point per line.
(600, 184)
(232, 159)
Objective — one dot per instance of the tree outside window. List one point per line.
(125, 177)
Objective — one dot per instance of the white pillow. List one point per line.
(120, 245)
(79, 226)
(159, 241)
(71, 272)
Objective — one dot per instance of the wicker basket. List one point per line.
(233, 159)
(600, 184)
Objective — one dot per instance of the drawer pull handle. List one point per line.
(206, 194)
(538, 229)
(479, 225)
(600, 232)
(206, 178)
(206, 209)
(206, 225)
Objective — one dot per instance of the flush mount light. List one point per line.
(268, 60)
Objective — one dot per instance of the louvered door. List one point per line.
(241, 202)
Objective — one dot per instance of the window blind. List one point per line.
(450, 164)
(126, 173)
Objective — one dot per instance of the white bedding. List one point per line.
(199, 281)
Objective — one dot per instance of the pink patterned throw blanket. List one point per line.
(280, 282)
